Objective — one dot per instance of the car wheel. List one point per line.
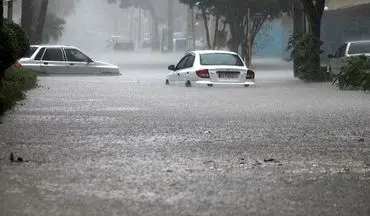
(188, 84)
(167, 82)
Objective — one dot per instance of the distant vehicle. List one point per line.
(120, 43)
(200, 44)
(146, 41)
(346, 50)
(210, 68)
(61, 59)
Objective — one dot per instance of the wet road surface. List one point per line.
(129, 145)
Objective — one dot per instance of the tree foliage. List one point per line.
(53, 28)
(355, 74)
(235, 14)
(15, 44)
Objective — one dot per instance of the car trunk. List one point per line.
(226, 74)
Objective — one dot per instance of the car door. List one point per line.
(337, 62)
(179, 69)
(53, 61)
(187, 70)
(35, 63)
(79, 62)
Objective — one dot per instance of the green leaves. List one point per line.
(355, 74)
(300, 46)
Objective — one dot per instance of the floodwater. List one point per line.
(129, 145)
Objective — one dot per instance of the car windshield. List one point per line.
(220, 59)
(31, 52)
(359, 48)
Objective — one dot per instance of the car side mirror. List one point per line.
(250, 74)
(172, 67)
(89, 61)
(330, 56)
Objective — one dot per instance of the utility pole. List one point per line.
(170, 25)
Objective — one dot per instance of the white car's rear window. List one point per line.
(359, 48)
(220, 59)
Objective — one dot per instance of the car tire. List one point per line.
(188, 84)
(167, 82)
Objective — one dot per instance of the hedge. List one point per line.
(16, 82)
(14, 44)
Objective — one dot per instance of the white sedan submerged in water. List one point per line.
(210, 68)
(60, 59)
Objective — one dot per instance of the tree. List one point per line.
(62, 8)
(33, 18)
(243, 26)
(14, 45)
(2, 14)
(314, 10)
(53, 28)
(207, 8)
(151, 6)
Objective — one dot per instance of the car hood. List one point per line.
(100, 63)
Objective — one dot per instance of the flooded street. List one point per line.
(129, 145)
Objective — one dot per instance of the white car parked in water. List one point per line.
(210, 68)
(345, 51)
(60, 59)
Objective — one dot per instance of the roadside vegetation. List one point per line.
(355, 74)
(14, 80)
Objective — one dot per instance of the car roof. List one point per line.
(52, 46)
(213, 51)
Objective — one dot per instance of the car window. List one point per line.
(31, 52)
(359, 48)
(53, 54)
(76, 55)
(220, 59)
(40, 53)
(190, 61)
(181, 64)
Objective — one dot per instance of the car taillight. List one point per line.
(250, 74)
(202, 73)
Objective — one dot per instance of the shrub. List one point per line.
(354, 74)
(300, 47)
(16, 82)
(14, 45)
(22, 43)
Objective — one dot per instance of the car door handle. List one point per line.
(178, 74)
(71, 64)
(46, 63)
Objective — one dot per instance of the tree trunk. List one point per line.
(41, 21)
(27, 19)
(2, 15)
(315, 32)
(33, 18)
(314, 13)
(205, 20)
(233, 42)
(215, 36)
(154, 34)
(2, 71)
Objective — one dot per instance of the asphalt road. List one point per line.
(129, 145)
